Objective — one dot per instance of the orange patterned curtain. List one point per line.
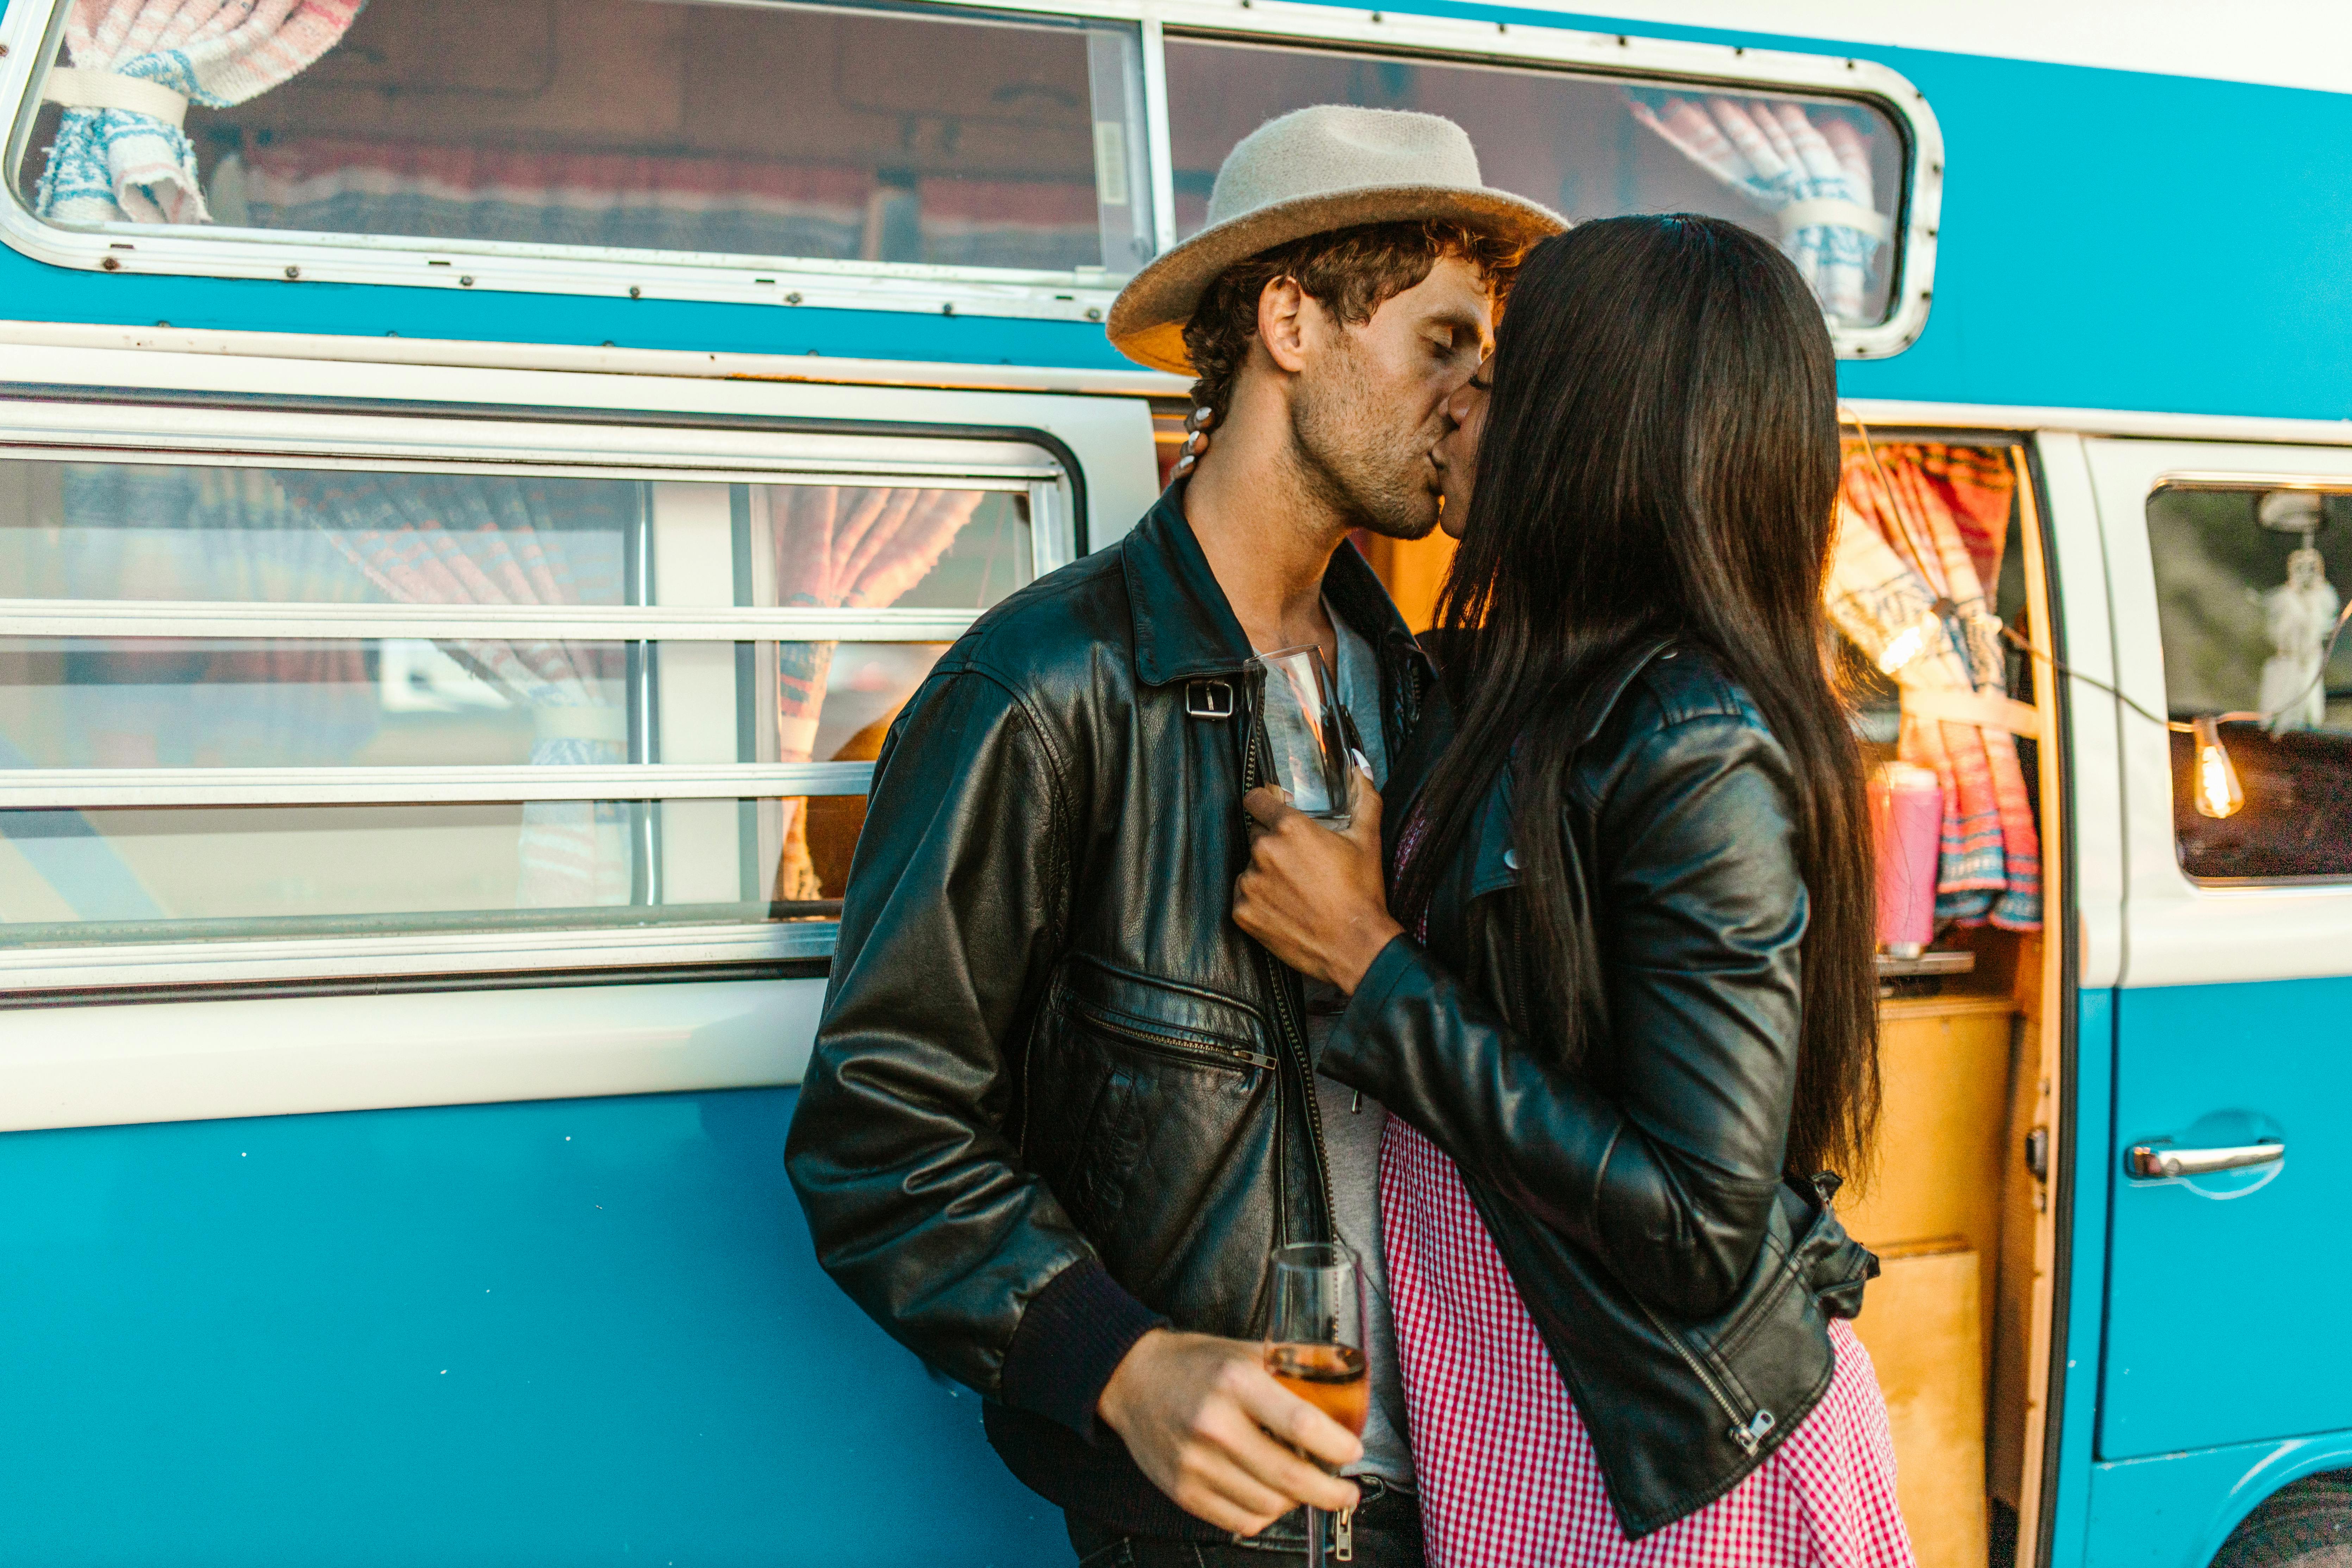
(1920, 529)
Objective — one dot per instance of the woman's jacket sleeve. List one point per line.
(1670, 1174)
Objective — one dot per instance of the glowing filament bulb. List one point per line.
(2219, 793)
(1906, 645)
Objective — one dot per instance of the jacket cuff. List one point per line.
(1356, 1053)
(1070, 1339)
(1394, 963)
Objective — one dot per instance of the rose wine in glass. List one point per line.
(1315, 1340)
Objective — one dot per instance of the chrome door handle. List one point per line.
(2156, 1160)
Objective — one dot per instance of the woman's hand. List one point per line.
(1317, 899)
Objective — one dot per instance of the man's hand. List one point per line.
(1315, 899)
(1196, 1412)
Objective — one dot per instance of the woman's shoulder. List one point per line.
(1687, 683)
(1683, 709)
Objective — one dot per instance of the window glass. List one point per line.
(206, 702)
(1821, 175)
(131, 530)
(122, 874)
(219, 541)
(2244, 610)
(755, 132)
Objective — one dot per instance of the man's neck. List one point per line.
(1267, 529)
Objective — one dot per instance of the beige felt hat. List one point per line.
(1311, 170)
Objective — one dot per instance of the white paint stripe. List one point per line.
(196, 1061)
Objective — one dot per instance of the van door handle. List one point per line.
(2150, 1161)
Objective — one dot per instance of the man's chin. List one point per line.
(1419, 526)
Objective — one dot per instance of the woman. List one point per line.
(1623, 1002)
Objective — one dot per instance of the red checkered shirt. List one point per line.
(1505, 1470)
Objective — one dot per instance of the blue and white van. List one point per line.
(476, 481)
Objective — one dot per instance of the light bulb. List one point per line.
(2219, 793)
(1906, 645)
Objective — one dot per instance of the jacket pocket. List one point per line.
(1133, 1072)
(1163, 1017)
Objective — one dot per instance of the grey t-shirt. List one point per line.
(1352, 1124)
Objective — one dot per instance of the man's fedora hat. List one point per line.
(1312, 171)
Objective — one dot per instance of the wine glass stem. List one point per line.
(1314, 1538)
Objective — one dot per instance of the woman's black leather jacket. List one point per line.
(1682, 1284)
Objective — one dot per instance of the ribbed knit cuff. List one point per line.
(1071, 1339)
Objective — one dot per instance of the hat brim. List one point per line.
(1147, 319)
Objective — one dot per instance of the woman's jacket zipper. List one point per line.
(1747, 1431)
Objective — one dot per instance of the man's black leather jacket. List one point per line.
(1681, 1284)
(1057, 1097)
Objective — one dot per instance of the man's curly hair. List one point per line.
(1351, 272)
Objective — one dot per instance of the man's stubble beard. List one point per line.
(1354, 463)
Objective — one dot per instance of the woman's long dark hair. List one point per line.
(1660, 454)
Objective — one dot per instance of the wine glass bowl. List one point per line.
(1315, 1340)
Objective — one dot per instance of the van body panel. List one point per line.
(2081, 1197)
(2078, 568)
(2175, 1511)
(2226, 1292)
(575, 1331)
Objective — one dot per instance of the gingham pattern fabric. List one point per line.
(1508, 1477)
(1506, 1472)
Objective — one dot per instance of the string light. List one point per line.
(2214, 778)
(2219, 793)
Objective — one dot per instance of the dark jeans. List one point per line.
(1385, 1533)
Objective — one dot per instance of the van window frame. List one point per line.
(165, 429)
(31, 35)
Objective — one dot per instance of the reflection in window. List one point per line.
(120, 874)
(1823, 177)
(749, 131)
(99, 533)
(2243, 609)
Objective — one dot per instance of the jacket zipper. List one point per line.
(1747, 1432)
(1285, 1023)
(1169, 1042)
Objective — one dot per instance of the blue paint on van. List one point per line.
(565, 1332)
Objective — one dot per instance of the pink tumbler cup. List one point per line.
(1906, 809)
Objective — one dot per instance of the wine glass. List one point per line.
(1299, 707)
(1315, 1340)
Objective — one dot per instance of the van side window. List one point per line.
(815, 132)
(1821, 175)
(260, 702)
(2249, 583)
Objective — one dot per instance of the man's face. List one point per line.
(1457, 451)
(1370, 405)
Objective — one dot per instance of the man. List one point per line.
(1060, 1108)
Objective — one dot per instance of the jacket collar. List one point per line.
(1184, 625)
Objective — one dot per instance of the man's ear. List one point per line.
(1282, 323)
